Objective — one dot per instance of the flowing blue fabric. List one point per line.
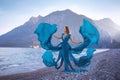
(44, 32)
(48, 59)
(90, 35)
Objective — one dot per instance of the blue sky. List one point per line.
(16, 12)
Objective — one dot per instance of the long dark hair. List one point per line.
(67, 29)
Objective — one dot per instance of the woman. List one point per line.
(65, 52)
(90, 36)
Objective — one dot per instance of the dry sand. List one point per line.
(104, 66)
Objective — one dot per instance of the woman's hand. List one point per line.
(72, 40)
(58, 37)
(79, 42)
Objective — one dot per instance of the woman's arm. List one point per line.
(58, 37)
(72, 40)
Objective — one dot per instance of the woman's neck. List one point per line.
(65, 34)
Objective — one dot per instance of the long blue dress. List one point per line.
(90, 35)
(65, 53)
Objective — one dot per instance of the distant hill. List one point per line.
(23, 35)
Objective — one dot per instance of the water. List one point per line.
(20, 60)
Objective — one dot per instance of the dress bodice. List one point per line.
(66, 38)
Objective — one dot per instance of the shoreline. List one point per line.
(21, 58)
(104, 66)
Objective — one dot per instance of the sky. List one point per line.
(14, 13)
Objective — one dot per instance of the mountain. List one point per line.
(23, 35)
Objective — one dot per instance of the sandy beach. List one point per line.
(104, 66)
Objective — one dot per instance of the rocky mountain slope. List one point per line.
(23, 35)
